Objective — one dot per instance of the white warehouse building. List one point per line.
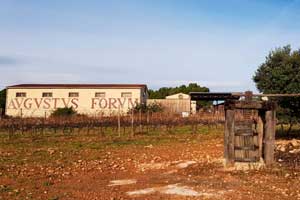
(40, 100)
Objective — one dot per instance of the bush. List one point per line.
(154, 107)
(2, 99)
(64, 112)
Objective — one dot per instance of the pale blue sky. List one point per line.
(218, 44)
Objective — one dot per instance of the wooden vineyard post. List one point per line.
(229, 138)
(140, 119)
(119, 122)
(132, 123)
(148, 121)
(269, 138)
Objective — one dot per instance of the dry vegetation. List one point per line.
(137, 122)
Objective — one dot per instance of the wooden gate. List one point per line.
(246, 137)
(249, 131)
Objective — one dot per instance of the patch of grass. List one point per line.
(47, 183)
(120, 143)
(77, 145)
(96, 145)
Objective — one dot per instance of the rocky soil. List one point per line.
(288, 153)
(186, 167)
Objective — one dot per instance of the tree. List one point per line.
(2, 100)
(280, 73)
(166, 91)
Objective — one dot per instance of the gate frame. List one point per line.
(266, 128)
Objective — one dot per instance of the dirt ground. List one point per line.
(174, 166)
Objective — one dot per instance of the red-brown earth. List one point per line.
(165, 166)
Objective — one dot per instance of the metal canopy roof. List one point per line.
(213, 96)
(222, 96)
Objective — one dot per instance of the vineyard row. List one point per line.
(12, 125)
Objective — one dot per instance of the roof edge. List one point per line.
(88, 86)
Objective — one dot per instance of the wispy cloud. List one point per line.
(8, 60)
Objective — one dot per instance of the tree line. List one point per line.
(161, 93)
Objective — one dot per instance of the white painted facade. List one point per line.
(178, 96)
(178, 103)
(41, 100)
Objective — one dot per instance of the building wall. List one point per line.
(178, 96)
(34, 105)
(193, 107)
(173, 105)
(178, 103)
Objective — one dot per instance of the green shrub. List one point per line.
(2, 100)
(153, 107)
(64, 112)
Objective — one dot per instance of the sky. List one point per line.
(162, 43)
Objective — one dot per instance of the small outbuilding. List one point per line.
(176, 103)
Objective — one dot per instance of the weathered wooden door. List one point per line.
(249, 133)
(246, 136)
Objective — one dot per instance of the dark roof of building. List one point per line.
(213, 96)
(90, 86)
